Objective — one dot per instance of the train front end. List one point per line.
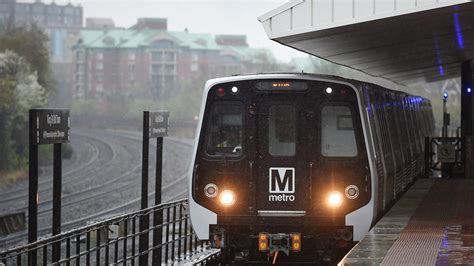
(280, 167)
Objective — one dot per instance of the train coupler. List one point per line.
(280, 242)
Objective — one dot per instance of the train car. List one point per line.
(300, 165)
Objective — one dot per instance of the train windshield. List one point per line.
(225, 129)
(337, 132)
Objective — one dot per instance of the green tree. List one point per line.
(19, 92)
(31, 44)
(25, 79)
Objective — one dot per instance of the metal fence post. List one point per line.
(158, 215)
(57, 185)
(144, 222)
(33, 188)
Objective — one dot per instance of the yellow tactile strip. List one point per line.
(441, 230)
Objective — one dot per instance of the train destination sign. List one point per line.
(159, 122)
(51, 126)
(293, 85)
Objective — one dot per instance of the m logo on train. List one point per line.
(282, 181)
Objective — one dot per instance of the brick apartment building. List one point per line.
(110, 62)
(61, 23)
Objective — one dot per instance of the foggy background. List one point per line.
(108, 60)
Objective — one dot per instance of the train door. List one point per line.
(282, 157)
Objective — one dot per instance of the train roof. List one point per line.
(300, 75)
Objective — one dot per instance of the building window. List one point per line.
(156, 57)
(79, 68)
(156, 69)
(99, 55)
(38, 9)
(194, 57)
(54, 10)
(131, 77)
(21, 8)
(78, 78)
(99, 66)
(99, 88)
(169, 69)
(131, 56)
(131, 68)
(67, 21)
(69, 11)
(99, 77)
(169, 57)
(163, 44)
(157, 79)
(38, 18)
(163, 69)
(53, 19)
(194, 67)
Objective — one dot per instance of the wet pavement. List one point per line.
(432, 224)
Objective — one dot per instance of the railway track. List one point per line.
(113, 195)
(45, 185)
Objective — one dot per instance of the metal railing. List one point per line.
(116, 241)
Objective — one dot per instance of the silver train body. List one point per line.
(312, 154)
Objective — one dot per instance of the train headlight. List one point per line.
(334, 199)
(227, 198)
(211, 190)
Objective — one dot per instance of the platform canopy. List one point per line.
(401, 40)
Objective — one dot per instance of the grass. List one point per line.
(11, 177)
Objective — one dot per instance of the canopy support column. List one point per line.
(467, 111)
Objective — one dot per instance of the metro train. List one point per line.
(300, 164)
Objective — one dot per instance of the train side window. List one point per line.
(282, 130)
(337, 132)
(224, 134)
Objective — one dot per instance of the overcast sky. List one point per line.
(215, 17)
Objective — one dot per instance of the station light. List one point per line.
(445, 95)
(263, 242)
(227, 198)
(469, 90)
(334, 199)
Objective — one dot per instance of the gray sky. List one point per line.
(215, 17)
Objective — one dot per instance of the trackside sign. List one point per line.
(50, 125)
(159, 122)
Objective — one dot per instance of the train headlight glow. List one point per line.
(334, 199)
(227, 198)
(210, 190)
(328, 90)
(235, 90)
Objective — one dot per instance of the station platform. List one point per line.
(432, 224)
